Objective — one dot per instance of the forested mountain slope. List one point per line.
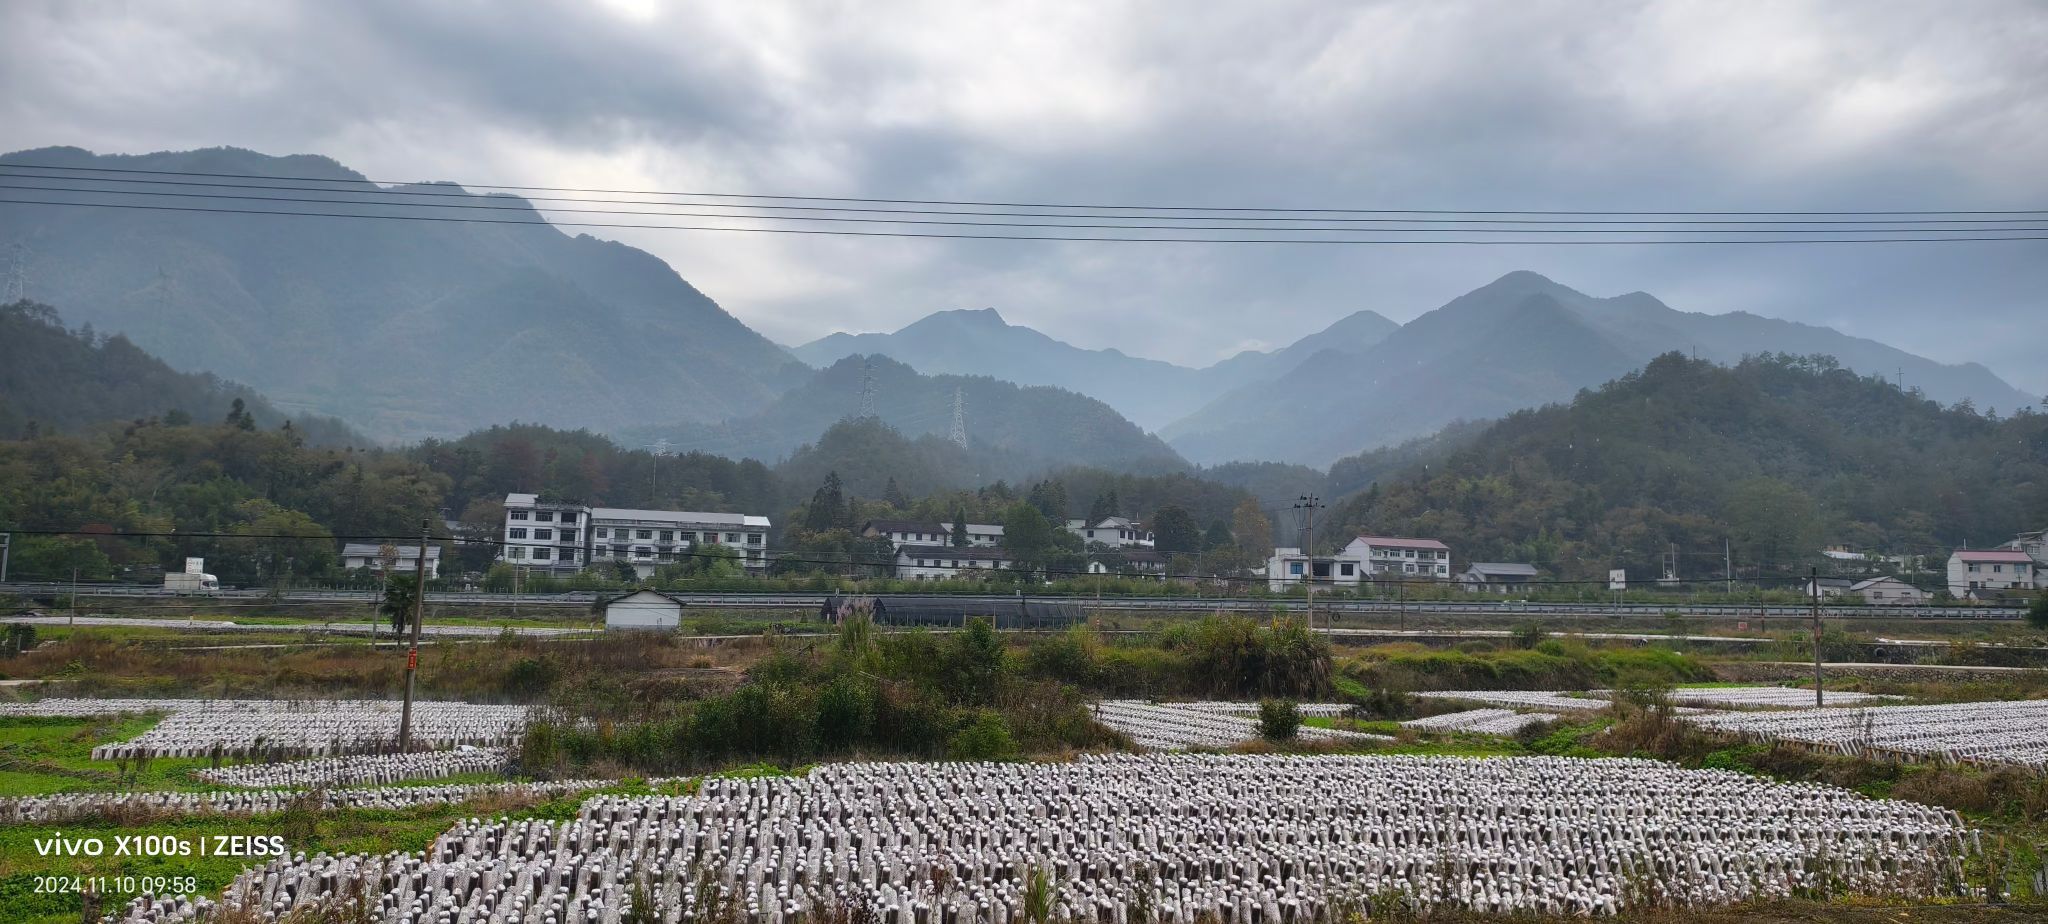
(1777, 454)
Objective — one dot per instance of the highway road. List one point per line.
(804, 601)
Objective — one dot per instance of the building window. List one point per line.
(1997, 569)
(518, 514)
(644, 534)
(732, 538)
(1294, 568)
(567, 554)
(568, 535)
(600, 532)
(641, 551)
(754, 538)
(920, 562)
(540, 554)
(516, 532)
(1346, 569)
(665, 556)
(543, 516)
(568, 516)
(515, 552)
(543, 534)
(668, 535)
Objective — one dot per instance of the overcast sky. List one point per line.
(1441, 105)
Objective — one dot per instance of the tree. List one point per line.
(1050, 499)
(1279, 719)
(1104, 507)
(1026, 535)
(1771, 520)
(959, 529)
(239, 416)
(1174, 530)
(894, 496)
(828, 505)
(2037, 615)
(1218, 536)
(399, 595)
(1252, 533)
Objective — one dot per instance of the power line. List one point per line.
(1174, 225)
(524, 203)
(1000, 204)
(1026, 237)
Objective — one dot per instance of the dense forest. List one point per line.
(53, 379)
(1775, 456)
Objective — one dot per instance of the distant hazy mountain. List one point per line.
(406, 328)
(56, 380)
(1025, 427)
(1518, 342)
(1150, 392)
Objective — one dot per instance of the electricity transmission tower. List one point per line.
(959, 432)
(867, 388)
(17, 275)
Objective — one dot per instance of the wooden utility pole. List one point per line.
(1813, 602)
(1308, 504)
(412, 654)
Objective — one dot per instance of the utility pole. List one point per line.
(74, 598)
(1307, 504)
(1728, 567)
(6, 545)
(1813, 601)
(412, 654)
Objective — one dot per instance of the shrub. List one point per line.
(1279, 719)
(987, 737)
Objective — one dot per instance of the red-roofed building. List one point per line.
(1980, 574)
(1399, 555)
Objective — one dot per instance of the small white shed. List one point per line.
(643, 609)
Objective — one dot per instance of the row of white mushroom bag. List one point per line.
(363, 769)
(1184, 726)
(1763, 697)
(1992, 732)
(1480, 721)
(278, 729)
(1152, 838)
(58, 807)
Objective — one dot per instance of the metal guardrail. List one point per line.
(779, 600)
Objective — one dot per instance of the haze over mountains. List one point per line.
(1150, 392)
(406, 329)
(1011, 428)
(414, 329)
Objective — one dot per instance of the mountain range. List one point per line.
(1015, 428)
(406, 329)
(1150, 392)
(437, 326)
(1518, 342)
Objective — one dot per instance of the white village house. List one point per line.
(1363, 558)
(945, 562)
(1889, 591)
(920, 532)
(1981, 574)
(1111, 531)
(643, 609)
(370, 555)
(564, 538)
(1497, 576)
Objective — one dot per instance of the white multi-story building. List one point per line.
(648, 539)
(544, 536)
(1112, 531)
(1401, 556)
(947, 562)
(918, 532)
(1983, 573)
(564, 538)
